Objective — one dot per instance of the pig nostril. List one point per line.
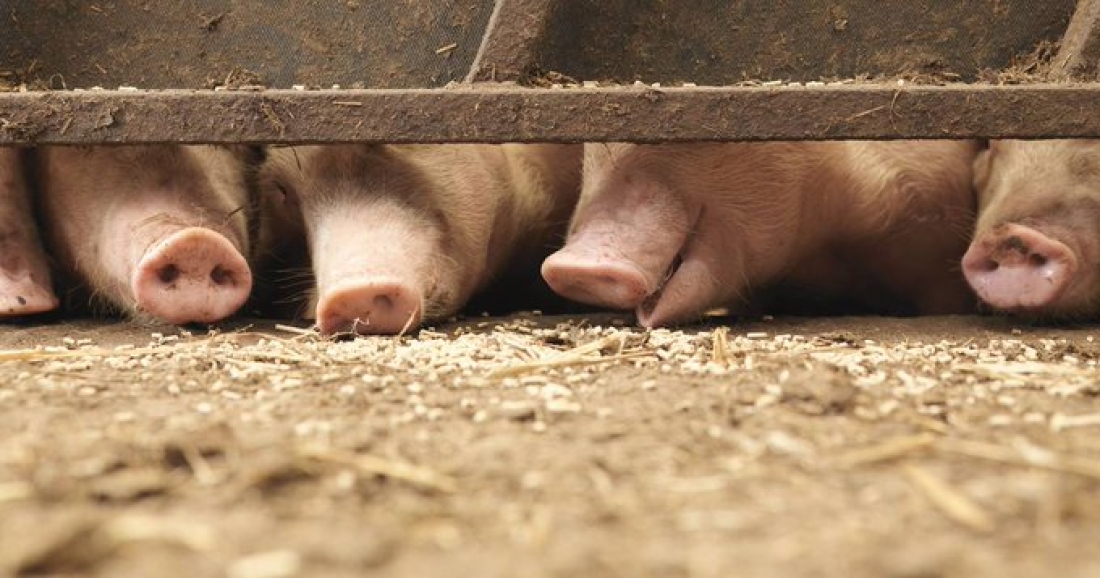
(1037, 260)
(221, 276)
(989, 265)
(383, 302)
(168, 274)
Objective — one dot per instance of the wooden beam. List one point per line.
(482, 113)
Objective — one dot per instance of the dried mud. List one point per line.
(546, 446)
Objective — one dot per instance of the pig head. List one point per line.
(399, 235)
(674, 230)
(158, 232)
(1036, 247)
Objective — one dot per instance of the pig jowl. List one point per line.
(1036, 244)
(26, 286)
(157, 232)
(401, 235)
(674, 230)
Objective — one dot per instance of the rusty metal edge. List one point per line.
(482, 113)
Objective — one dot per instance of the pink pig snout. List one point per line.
(369, 305)
(193, 276)
(590, 279)
(1017, 268)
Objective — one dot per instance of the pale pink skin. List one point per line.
(1036, 247)
(25, 283)
(403, 235)
(158, 232)
(672, 231)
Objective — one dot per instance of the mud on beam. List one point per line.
(483, 113)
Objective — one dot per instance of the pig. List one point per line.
(1036, 245)
(156, 232)
(672, 231)
(26, 285)
(400, 235)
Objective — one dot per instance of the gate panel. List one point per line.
(724, 42)
(206, 43)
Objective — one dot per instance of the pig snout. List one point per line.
(372, 280)
(597, 279)
(369, 306)
(194, 275)
(1017, 268)
(25, 280)
(25, 284)
(622, 247)
(156, 231)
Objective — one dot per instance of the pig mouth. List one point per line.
(689, 247)
(651, 300)
(362, 325)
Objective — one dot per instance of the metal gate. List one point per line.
(545, 70)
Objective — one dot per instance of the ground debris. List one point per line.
(131, 484)
(78, 542)
(271, 564)
(1025, 455)
(890, 449)
(819, 391)
(953, 503)
(463, 448)
(373, 465)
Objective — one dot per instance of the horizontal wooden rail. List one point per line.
(494, 113)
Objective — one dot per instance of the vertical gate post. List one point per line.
(1079, 56)
(510, 46)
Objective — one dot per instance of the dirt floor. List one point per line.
(546, 446)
